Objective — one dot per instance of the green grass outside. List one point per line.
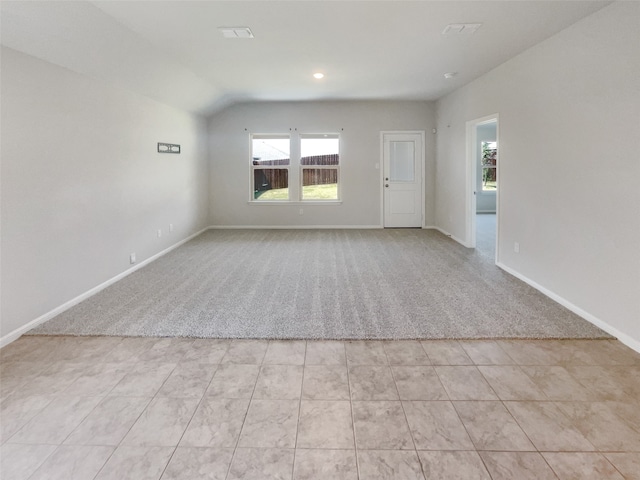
(309, 192)
(274, 194)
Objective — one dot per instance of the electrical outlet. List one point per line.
(301, 211)
(132, 258)
(171, 227)
(159, 233)
(516, 247)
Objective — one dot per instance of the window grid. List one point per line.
(319, 167)
(317, 178)
(270, 167)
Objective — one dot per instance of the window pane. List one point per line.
(489, 161)
(271, 184)
(320, 184)
(270, 150)
(402, 161)
(321, 149)
(489, 178)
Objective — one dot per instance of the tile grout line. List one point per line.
(106, 396)
(537, 450)
(451, 402)
(475, 447)
(295, 443)
(44, 461)
(155, 395)
(404, 413)
(600, 454)
(151, 399)
(235, 448)
(353, 418)
(190, 419)
(612, 464)
(102, 398)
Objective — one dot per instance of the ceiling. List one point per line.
(172, 51)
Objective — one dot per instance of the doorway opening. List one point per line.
(482, 188)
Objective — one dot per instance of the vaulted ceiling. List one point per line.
(173, 51)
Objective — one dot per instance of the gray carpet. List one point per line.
(329, 284)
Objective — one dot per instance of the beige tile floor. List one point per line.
(146, 408)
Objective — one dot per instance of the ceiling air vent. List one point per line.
(236, 32)
(461, 28)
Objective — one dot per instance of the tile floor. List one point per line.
(147, 408)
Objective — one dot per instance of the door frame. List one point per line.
(472, 178)
(380, 166)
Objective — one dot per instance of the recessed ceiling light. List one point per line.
(461, 28)
(318, 75)
(236, 32)
(449, 75)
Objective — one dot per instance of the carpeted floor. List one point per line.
(328, 284)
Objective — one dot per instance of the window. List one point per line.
(270, 155)
(322, 153)
(316, 179)
(489, 163)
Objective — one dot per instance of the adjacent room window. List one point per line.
(489, 162)
(316, 179)
(270, 155)
(319, 164)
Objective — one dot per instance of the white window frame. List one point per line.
(482, 167)
(302, 136)
(295, 175)
(254, 167)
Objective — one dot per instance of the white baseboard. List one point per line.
(292, 227)
(14, 335)
(623, 337)
(447, 234)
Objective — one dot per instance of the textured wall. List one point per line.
(569, 166)
(359, 125)
(83, 186)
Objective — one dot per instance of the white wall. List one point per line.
(485, 201)
(82, 184)
(569, 164)
(229, 144)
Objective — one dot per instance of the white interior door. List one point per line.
(402, 179)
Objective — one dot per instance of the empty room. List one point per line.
(312, 240)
